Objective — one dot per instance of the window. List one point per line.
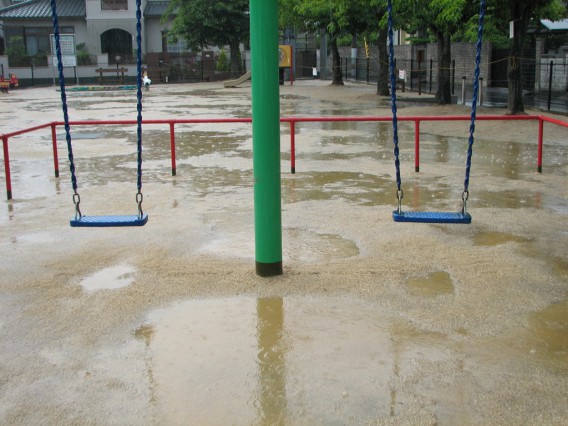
(37, 39)
(114, 4)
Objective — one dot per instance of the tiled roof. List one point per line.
(41, 9)
(156, 8)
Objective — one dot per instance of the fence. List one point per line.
(292, 121)
(545, 81)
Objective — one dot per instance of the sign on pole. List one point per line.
(67, 45)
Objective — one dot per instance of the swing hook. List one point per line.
(399, 196)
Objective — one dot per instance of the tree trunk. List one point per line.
(444, 93)
(337, 77)
(383, 78)
(520, 14)
(235, 58)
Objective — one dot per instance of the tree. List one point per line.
(520, 13)
(443, 18)
(322, 15)
(16, 52)
(216, 22)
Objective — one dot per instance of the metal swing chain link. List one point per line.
(139, 199)
(77, 201)
(465, 197)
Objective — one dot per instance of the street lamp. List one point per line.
(117, 57)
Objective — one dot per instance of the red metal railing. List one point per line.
(292, 122)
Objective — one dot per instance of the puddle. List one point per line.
(358, 188)
(278, 361)
(80, 135)
(435, 284)
(111, 278)
(299, 245)
(308, 246)
(550, 332)
(314, 360)
(496, 238)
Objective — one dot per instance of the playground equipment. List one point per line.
(266, 137)
(434, 217)
(285, 61)
(103, 221)
(238, 81)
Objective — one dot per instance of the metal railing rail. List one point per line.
(292, 121)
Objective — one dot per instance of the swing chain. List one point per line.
(139, 199)
(399, 196)
(465, 197)
(77, 201)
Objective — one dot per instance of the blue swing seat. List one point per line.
(109, 221)
(431, 217)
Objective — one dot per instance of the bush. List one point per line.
(223, 62)
(83, 56)
(16, 52)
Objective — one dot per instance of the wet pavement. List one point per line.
(372, 322)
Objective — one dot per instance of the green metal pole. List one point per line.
(266, 136)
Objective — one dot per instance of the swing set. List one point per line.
(434, 217)
(81, 220)
(141, 218)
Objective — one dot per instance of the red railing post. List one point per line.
(7, 167)
(54, 144)
(292, 146)
(417, 145)
(173, 147)
(540, 143)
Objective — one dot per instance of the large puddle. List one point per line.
(311, 360)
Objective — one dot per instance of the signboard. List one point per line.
(67, 45)
(285, 52)
(66, 42)
(67, 61)
(402, 74)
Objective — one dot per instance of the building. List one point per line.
(103, 29)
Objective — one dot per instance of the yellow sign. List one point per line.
(285, 52)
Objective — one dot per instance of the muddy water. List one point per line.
(306, 360)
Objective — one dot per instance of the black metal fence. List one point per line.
(545, 81)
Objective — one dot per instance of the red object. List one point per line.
(292, 120)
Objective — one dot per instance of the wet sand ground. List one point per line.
(373, 322)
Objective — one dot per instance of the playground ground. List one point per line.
(373, 322)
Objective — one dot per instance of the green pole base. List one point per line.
(269, 269)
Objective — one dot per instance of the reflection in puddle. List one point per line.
(275, 361)
(109, 279)
(435, 284)
(310, 360)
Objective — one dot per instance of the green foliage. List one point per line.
(210, 22)
(202, 22)
(223, 62)
(16, 52)
(83, 55)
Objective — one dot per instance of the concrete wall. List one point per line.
(153, 39)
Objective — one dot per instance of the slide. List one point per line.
(238, 81)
